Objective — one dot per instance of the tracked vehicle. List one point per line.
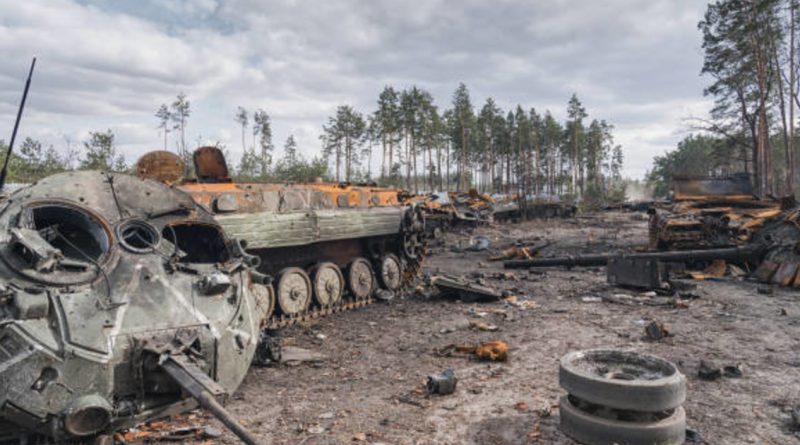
(326, 246)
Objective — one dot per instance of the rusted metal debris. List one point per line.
(710, 213)
(492, 351)
(464, 290)
(444, 210)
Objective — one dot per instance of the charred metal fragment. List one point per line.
(641, 273)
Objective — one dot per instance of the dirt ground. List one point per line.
(369, 387)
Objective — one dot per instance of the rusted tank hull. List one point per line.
(322, 246)
(710, 213)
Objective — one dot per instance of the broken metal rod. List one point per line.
(204, 390)
(729, 254)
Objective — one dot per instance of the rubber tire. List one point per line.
(634, 395)
(592, 430)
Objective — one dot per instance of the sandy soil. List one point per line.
(369, 388)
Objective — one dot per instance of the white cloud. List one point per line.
(111, 63)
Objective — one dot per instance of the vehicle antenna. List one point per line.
(16, 126)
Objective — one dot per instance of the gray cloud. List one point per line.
(109, 64)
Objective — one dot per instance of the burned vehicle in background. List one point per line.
(710, 212)
(515, 207)
(121, 300)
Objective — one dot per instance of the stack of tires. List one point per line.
(621, 397)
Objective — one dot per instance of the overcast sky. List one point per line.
(111, 63)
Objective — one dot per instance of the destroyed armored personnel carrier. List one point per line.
(119, 298)
(325, 246)
(709, 213)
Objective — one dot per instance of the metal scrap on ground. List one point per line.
(465, 291)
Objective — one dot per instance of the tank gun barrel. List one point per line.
(205, 391)
(729, 254)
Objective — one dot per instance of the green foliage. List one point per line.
(164, 116)
(694, 156)
(262, 127)
(31, 161)
(344, 135)
(742, 43)
(179, 113)
(249, 165)
(100, 153)
(290, 154)
(301, 170)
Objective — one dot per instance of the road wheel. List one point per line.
(328, 283)
(360, 279)
(294, 291)
(412, 245)
(391, 275)
(264, 297)
(623, 380)
(602, 429)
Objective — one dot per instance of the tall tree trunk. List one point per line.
(408, 160)
(391, 157)
(462, 163)
(431, 187)
(439, 163)
(347, 157)
(383, 157)
(762, 143)
(792, 94)
(183, 134)
(414, 158)
(338, 162)
(508, 171)
(447, 154)
(782, 107)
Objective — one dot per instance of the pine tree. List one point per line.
(164, 117)
(262, 126)
(242, 119)
(464, 119)
(738, 36)
(386, 126)
(576, 114)
(343, 136)
(290, 150)
(180, 114)
(100, 153)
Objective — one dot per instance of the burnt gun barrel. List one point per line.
(729, 254)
